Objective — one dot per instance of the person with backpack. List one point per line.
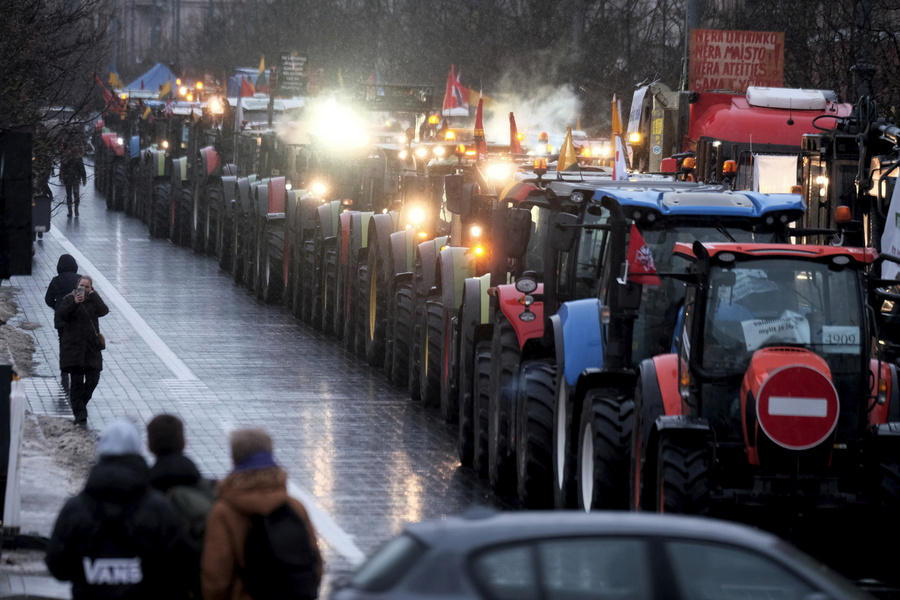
(60, 286)
(260, 543)
(119, 537)
(176, 475)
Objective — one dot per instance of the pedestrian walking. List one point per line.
(81, 344)
(65, 281)
(240, 561)
(178, 478)
(72, 173)
(119, 537)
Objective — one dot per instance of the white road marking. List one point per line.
(783, 406)
(327, 529)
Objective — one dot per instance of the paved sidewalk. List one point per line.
(183, 338)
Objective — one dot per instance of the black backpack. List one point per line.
(280, 560)
(112, 565)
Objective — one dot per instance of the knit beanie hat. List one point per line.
(118, 438)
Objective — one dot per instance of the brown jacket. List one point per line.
(258, 491)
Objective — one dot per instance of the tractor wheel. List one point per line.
(449, 375)
(604, 451)
(159, 220)
(480, 393)
(214, 215)
(329, 285)
(224, 247)
(349, 307)
(415, 342)
(185, 222)
(120, 186)
(505, 359)
(403, 325)
(373, 304)
(534, 434)
(199, 225)
(563, 446)
(272, 273)
(430, 353)
(682, 478)
(465, 441)
(237, 252)
(311, 293)
(361, 313)
(251, 255)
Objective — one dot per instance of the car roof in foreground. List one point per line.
(480, 527)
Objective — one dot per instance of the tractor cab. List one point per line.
(774, 377)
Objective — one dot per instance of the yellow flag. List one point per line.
(145, 114)
(262, 65)
(165, 89)
(616, 117)
(114, 81)
(567, 160)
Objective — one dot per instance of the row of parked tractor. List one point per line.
(644, 344)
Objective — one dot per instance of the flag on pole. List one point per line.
(641, 268)
(616, 116)
(567, 160)
(456, 97)
(165, 90)
(246, 92)
(620, 171)
(480, 144)
(113, 79)
(113, 103)
(262, 80)
(515, 147)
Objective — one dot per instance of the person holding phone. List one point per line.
(80, 353)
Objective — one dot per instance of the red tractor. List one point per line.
(774, 407)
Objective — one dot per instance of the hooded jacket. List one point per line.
(65, 281)
(119, 538)
(242, 494)
(78, 347)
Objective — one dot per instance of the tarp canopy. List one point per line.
(152, 80)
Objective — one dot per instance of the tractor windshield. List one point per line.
(782, 302)
(660, 304)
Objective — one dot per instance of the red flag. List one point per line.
(514, 146)
(247, 90)
(640, 260)
(455, 95)
(480, 144)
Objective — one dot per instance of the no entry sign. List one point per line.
(797, 407)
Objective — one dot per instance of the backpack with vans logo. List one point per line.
(112, 563)
(280, 560)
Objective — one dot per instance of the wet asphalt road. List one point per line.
(183, 338)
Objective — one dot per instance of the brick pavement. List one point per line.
(183, 338)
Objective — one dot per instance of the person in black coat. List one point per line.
(72, 174)
(65, 281)
(119, 537)
(79, 347)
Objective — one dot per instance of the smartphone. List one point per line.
(80, 290)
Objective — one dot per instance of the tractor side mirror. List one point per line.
(562, 235)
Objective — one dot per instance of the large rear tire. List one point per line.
(403, 325)
(329, 279)
(237, 254)
(534, 436)
(185, 222)
(374, 307)
(682, 478)
(480, 396)
(505, 359)
(120, 186)
(563, 446)
(430, 353)
(159, 220)
(272, 272)
(604, 450)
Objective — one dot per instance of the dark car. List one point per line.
(585, 556)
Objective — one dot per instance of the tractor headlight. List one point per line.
(318, 188)
(421, 151)
(416, 215)
(499, 172)
(475, 231)
(440, 151)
